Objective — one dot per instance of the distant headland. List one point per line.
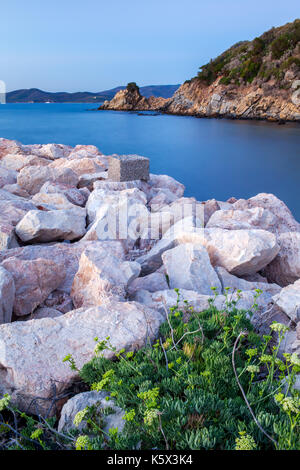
(257, 79)
(35, 95)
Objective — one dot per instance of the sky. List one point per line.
(94, 45)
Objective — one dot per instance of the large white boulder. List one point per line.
(188, 267)
(32, 370)
(7, 236)
(47, 226)
(285, 268)
(238, 251)
(100, 275)
(64, 254)
(285, 221)
(243, 219)
(7, 295)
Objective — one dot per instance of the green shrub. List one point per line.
(182, 392)
(280, 45)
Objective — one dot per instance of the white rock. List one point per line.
(7, 236)
(19, 161)
(247, 219)
(133, 198)
(239, 251)
(52, 201)
(236, 283)
(289, 300)
(152, 283)
(285, 221)
(46, 226)
(166, 299)
(188, 267)
(64, 254)
(13, 208)
(32, 178)
(86, 399)
(32, 352)
(285, 268)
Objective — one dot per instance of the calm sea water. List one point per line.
(213, 158)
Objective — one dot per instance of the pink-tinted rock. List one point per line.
(101, 275)
(257, 217)
(60, 301)
(9, 146)
(210, 207)
(64, 254)
(81, 166)
(74, 195)
(34, 280)
(21, 160)
(32, 352)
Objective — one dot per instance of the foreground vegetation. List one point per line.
(208, 382)
(268, 56)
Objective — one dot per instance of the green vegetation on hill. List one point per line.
(268, 56)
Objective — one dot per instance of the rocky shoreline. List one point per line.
(83, 256)
(193, 98)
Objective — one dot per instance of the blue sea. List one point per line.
(214, 158)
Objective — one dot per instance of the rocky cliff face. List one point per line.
(257, 79)
(131, 100)
(249, 101)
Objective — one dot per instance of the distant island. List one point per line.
(34, 95)
(257, 79)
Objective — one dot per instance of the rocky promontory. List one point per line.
(257, 79)
(131, 99)
(83, 257)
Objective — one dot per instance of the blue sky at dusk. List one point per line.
(92, 45)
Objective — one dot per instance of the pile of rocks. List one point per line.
(82, 256)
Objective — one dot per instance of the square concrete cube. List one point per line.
(128, 168)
